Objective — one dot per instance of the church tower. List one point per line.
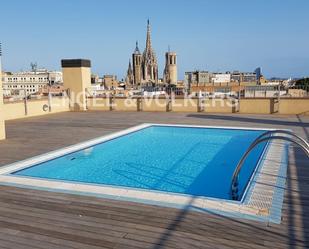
(170, 70)
(137, 66)
(149, 62)
(129, 77)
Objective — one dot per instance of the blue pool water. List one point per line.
(194, 161)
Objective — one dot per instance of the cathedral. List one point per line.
(144, 68)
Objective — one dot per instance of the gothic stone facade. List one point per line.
(145, 66)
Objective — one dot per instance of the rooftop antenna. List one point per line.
(169, 48)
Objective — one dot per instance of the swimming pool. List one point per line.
(151, 163)
(187, 160)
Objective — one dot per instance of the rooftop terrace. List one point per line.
(40, 219)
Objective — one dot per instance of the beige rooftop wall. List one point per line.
(32, 108)
(2, 124)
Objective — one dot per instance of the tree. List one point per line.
(302, 82)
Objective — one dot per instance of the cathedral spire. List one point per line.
(130, 68)
(129, 77)
(136, 48)
(148, 39)
(149, 62)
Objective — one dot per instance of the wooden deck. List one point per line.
(40, 219)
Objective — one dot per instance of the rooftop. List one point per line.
(39, 219)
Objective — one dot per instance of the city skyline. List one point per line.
(241, 36)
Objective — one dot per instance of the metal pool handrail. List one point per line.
(284, 132)
(303, 144)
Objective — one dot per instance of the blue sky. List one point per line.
(212, 35)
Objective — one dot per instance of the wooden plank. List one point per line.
(32, 218)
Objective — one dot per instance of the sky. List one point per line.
(213, 35)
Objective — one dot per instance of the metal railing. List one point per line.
(146, 91)
(263, 138)
(279, 91)
(11, 95)
(258, 91)
(263, 91)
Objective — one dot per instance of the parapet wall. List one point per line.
(257, 106)
(294, 106)
(16, 110)
(245, 105)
